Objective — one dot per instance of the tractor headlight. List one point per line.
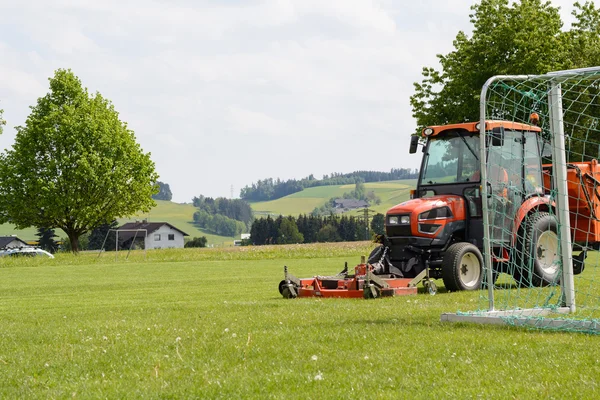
(399, 220)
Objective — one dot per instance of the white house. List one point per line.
(156, 235)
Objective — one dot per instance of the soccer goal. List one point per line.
(541, 202)
(128, 236)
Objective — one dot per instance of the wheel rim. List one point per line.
(547, 252)
(470, 270)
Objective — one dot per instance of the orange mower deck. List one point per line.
(363, 284)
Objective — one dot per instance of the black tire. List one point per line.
(538, 264)
(375, 255)
(462, 267)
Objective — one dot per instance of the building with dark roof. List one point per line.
(349, 204)
(10, 242)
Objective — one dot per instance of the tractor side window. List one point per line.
(533, 167)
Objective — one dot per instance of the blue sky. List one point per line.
(224, 93)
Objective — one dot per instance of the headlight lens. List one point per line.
(441, 212)
(399, 220)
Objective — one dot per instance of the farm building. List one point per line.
(155, 235)
(9, 242)
(349, 204)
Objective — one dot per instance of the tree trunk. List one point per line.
(74, 239)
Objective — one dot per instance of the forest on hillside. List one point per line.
(221, 216)
(271, 189)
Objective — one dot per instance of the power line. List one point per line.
(366, 212)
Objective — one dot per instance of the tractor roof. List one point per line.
(489, 125)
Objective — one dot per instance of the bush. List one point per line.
(196, 242)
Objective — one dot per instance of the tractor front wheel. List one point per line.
(462, 267)
(539, 253)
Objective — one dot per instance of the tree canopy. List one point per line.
(74, 165)
(164, 192)
(524, 37)
(46, 239)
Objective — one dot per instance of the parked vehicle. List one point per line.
(25, 252)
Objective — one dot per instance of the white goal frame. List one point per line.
(533, 317)
(117, 241)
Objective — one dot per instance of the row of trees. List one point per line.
(219, 224)
(225, 217)
(311, 229)
(236, 209)
(270, 189)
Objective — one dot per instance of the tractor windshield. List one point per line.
(451, 158)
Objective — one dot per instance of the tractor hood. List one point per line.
(418, 206)
(427, 217)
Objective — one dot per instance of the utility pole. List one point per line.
(366, 212)
(231, 197)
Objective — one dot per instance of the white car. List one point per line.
(25, 252)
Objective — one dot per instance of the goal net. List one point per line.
(541, 202)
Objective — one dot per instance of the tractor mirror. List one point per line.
(498, 136)
(414, 142)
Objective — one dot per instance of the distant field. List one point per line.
(304, 202)
(178, 215)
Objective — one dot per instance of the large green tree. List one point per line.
(74, 165)
(524, 37)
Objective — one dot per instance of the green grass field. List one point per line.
(210, 323)
(390, 192)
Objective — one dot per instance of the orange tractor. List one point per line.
(438, 233)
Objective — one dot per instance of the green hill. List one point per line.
(178, 215)
(304, 202)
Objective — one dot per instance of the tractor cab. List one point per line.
(447, 206)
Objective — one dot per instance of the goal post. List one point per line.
(132, 234)
(541, 238)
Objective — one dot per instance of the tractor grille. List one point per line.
(399, 230)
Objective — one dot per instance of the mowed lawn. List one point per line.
(304, 202)
(210, 323)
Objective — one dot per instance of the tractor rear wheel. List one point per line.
(462, 267)
(540, 259)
